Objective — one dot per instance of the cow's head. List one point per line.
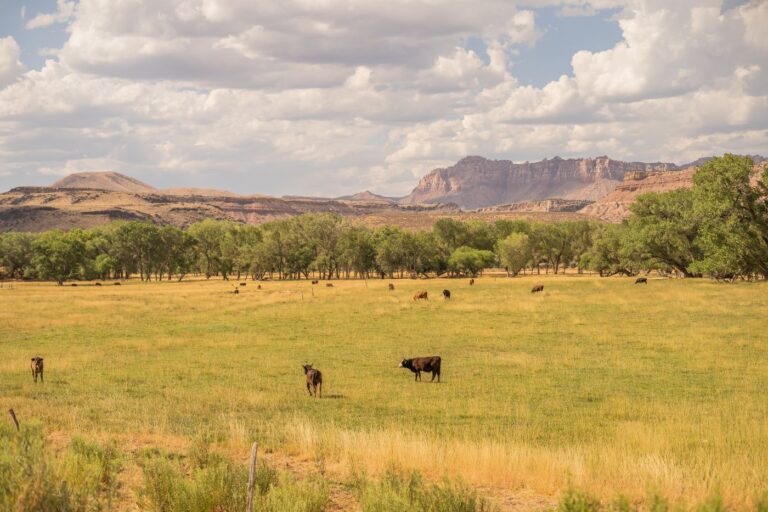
(405, 363)
(306, 367)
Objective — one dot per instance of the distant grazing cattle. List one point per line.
(117, 284)
(643, 280)
(258, 287)
(315, 281)
(314, 380)
(329, 285)
(417, 365)
(446, 294)
(243, 284)
(37, 368)
(421, 295)
(537, 288)
(391, 287)
(73, 284)
(236, 291)
(471, 282)
(96, 284)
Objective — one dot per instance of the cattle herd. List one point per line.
(314, 378)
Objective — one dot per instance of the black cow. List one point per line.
(446, 294)
(314, 380)
(417, 365)
(643, 280)
(243, 284)
(537, 288)
(37, 368)
(96, 284)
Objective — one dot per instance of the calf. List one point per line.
(391, 287)
(421, 295)
(471, 282)
(417, 365)
(314, 380)
(643, 280)
(537, 288)
(446, 294)
(37, 368)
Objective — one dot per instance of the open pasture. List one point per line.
(593, 383)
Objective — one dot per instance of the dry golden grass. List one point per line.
(596, 383)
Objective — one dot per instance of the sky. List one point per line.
(331, 97)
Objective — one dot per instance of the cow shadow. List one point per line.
(334, 396)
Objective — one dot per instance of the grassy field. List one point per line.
(595, 384)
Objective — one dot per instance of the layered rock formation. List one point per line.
(476, 182)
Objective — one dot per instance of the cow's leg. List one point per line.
(41, 376)
(34, 375)
(433, 376)
(309, 389)
(320, 389)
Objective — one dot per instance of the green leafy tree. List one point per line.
(59, 255)
(663, 230)
(16, 254)
(469, 261)
(514, 252)
(732, 203)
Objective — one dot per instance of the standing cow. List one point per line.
(471, 282)
(421, 295)
(314, 380)
(538, 288)
(37, 368)
(417, 365)
(446, 294)
(641, 280)
(391, 286)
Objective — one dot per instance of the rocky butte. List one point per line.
(477, 182)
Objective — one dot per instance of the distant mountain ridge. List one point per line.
(106, 180)
(477, 182)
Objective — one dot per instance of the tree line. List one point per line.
(718, 228)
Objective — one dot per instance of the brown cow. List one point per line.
(391, 287)
(314, 380)
(236, 291)
(258, 287)
(643, 280)
(96, 284)
(417, 365)
(537, 288)
(243, 284)
(315, 281)
(329, 285)
(471, 282)
(117, 284)
(421, 295)
(37, 368)
(446, 294)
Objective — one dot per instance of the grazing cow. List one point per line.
(446, 294)
(117, 284)
(391, 287)
(471, 282)
(258, 287)
(421, 295)
(329, 285)
(315, 281)
(643, 280)
(417, 365)
(314, 380)
(37, 368)
(243, 284)
(73, 284)
(537, 288)
(236, 291)
(96, 284)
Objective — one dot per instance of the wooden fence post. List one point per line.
(251, 477)
(13, 417)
